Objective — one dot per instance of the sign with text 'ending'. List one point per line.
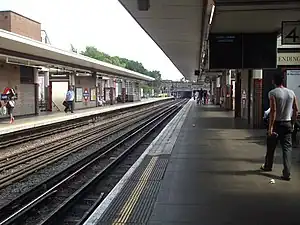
(288, 59)
(290, 31)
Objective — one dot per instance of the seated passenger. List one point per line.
(101, 101)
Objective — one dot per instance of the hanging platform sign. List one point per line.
(290, 31)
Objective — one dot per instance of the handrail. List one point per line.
(55, 106)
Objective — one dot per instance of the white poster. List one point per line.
(293, 82)
(79, 94)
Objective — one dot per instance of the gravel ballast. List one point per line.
(16, 189)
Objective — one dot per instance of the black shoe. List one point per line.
(263, 168)
(285, 178)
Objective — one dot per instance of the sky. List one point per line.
(104, 24)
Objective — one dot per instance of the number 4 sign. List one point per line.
(290, 31)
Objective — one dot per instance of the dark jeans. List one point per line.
(70, 106)
(294, 134)
(284, 130)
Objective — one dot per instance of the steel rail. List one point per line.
(42, 191)
(86, 141)
(18, 158)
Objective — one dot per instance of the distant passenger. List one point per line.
(101, 101)
(200, 97)
(70, 96)
(205, 97)
(196, 95)
(9, 103)
(283, 115)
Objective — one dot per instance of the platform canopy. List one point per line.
(181, 27)
(253, 16)
(25, 51)
(177, 27)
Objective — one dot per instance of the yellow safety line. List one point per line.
(132, 200)
(135, 194)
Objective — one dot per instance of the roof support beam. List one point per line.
(203, 25)
(251, 2)
(53, 62)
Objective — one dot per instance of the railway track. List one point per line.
(69, 197)
(19, 137)
(89, 131)
(26, 163)
(35, 134)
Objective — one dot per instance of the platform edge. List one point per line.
(98, 213)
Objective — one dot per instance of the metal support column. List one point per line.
(257, 99)
(123, 92)
(36, 91)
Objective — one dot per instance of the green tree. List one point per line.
(155, 74)
(94, 53)
(157, 82)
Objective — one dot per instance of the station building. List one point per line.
(41, 73)
(246, 91)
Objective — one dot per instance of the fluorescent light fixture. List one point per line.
(20, 62)
(105, 78)
(211, 14)
(83, 74)
(58, 75)
(44, 69)
(17, 61)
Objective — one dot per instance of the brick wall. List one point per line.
(85, 82)
(25, 104)
(5, 21)
(257, 104)
(21, 25)
(244, 92)
(26, 27)
(9, 75)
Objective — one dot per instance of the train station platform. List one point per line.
(203, 168)
(57, 117)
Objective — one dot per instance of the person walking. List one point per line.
(283, 114)
(200, 96)
(9, 103)
(70, 99)
(205, 97)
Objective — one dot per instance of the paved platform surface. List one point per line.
(35, 121)
(205, 172)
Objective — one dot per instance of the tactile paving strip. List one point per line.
(135, 202)
(157, 172)
(165, 142)
(132, 200)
